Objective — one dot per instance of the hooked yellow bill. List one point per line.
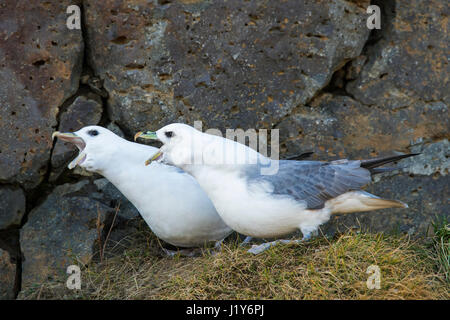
(146, 135)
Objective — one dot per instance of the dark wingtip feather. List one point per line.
(373, 163)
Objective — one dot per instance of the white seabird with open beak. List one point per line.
(171, 202)
(266, 198)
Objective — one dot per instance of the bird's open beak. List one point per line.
(65, 136)
(76, 140)
(146, 135)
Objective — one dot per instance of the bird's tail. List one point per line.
(361, 201)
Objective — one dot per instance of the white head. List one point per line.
(178, 143)
(96, 145)
(184, 145)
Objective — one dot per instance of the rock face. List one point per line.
(410, 61)
(84, 111)
(335, 126)
(127, 221)
(311, 69)
(40, 64)
(7, 276)
(12, 207)
(60, 232)
(230, 64)
(65, 229)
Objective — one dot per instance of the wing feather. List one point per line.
(313, 182)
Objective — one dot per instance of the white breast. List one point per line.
(172, 203)
(254, 211)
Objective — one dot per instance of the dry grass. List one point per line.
(320, 269)
(440, 245)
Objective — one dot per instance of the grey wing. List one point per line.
(314, 182)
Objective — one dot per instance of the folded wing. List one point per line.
(313, 182)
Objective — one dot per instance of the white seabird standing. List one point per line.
(170, 200)
(290, 195)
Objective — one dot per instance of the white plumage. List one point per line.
(170, 200)
(290, 195)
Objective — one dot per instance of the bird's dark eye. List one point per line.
(169, 134)
(93, 133)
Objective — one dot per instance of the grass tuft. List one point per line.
(440, 245)
(319, 269)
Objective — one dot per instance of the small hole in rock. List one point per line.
(38, 63)
(120, 40)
